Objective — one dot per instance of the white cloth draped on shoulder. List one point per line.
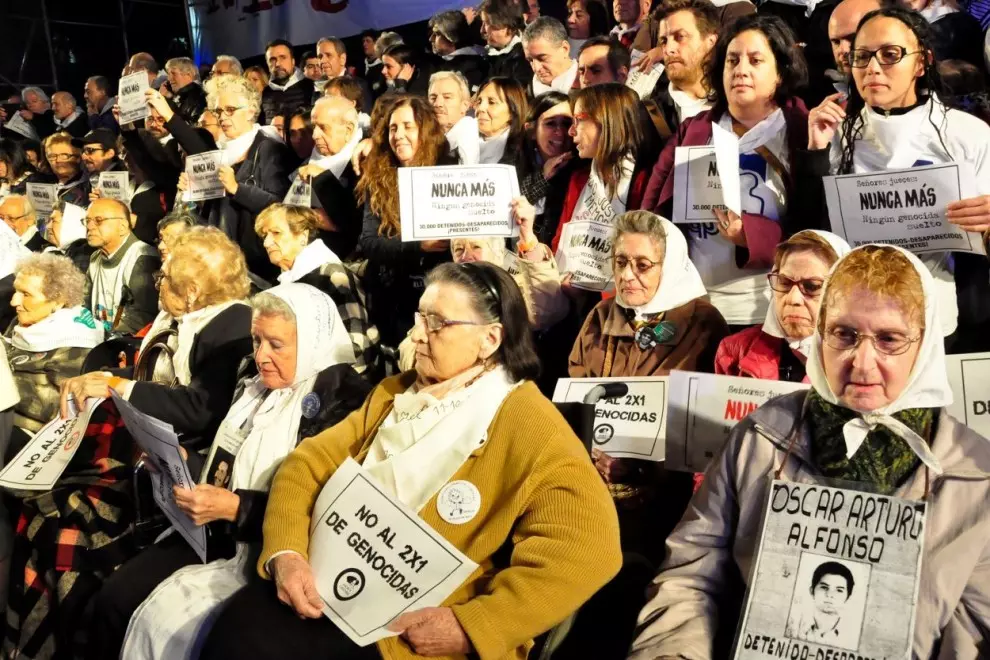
(11, 250)
(492, 149)
(174, 620)
(234, 151)
(928, 384)
(312, 257)
(69, 327)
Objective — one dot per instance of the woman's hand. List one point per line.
(183, 184)
(730, 226)
(159, 103)
(650, 59)
(432, 631)
(361, 152)
(971, 214)
(206, 503)
(229, 179)
(553, 165)
(823, 121)
(296, 585)
(95, 384)
(525, 215)
(612, 470)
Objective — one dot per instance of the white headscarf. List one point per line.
(313, 256)
(680, 282)
(273, 416)
(928, 384)
(72, 228)
(11, 250)
(771, 325)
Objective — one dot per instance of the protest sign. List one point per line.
(130, 97)
(42, 196)
(374, 559)
(203, 172)
(161, 446)
(45, 457)
(835, 576)
(969, 378)
(440, 203)
(300, 193)
(630, 426)
(905, 208)
(585, 251)
(115, 185)
(704, 408)
(643, 82)
(727, 163)
(697, 187)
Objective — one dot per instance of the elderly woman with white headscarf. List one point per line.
(779, 349)
(875, 417)
(300, 382)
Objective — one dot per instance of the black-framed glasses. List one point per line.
(885, 56)
(89, 151)
(640, 265)
(843, 338)
(226, 110)
(97, 221)
(434, 323)
(811, 287)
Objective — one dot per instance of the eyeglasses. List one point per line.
(97, 221)
(55, 158)
(640, 265)
(89, 151)
(11, 218)
(227, 110)
(434, 323)
(812, 288)
(159, 276)
(842, 338)
(885, 55)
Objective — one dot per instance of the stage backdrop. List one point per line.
(243, 27)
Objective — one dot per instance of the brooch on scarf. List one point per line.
(648, 337)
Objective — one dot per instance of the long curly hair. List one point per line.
(379, 184)
(930, 83)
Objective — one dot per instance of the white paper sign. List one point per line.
(631, 426)
(159, 441)
(727, 160)
(374, 559)
(585, 251)
(643, 82)
(300, 193)
(704, 408)
(130, 97)
(697, 186)
(203, 171)
(905, 208)
(969, 378)
(440, 203)
(42, 196)
(835, 576)
(43, 460)
(115, 185)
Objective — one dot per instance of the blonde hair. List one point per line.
(205, 255)
(884, 272)
(805, 241)
(61, 281)
(58, 138)
(238, 85)
(299, 219)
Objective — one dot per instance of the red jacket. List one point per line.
(750, 353)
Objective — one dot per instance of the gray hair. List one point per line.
(27, 208)
(338, 44)
(37, 91)
(61, 281)
(233, 61)
(547, 28)
(457, 77)
(452, 26)
(180, 216)
(239, 85)
(385, 41)
(183, 65)
(268, 304)
(640, 222)
(68, 97)
(349, 112)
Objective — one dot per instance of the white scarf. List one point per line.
(594, 203)
(492, 149)
(495, 52)
(771, 128)
(687, 105)
(937, 9)
(562, 83)
(928, 384)
(189, 325)
(234, 151)
(424, 441)
(72, 228)
(69, 327)
(467, 50)
(62, 123)
(771, 325)
(313, 256)
(618, 31)
(296, 76)
(680, 282)
(463, 138)
(368, 65)
(11, 250)
(337, 162)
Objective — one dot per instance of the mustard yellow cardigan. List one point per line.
(539, 492)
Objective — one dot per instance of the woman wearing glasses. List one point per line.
(779, 349)
(895, 119)
(469, 426)
(878, 353)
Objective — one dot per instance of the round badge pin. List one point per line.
(310, 405)
(459, 502)
(603, 433)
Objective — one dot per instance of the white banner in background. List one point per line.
(243, 28)
(969, 378)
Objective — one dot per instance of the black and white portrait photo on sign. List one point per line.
(827, 608)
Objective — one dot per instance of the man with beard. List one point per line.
(450, 38)
(288, 89)
(68, 116)
(549, 53)
(629, 17)
(332, 55)
(99, 154)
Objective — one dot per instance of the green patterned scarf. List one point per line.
(884, 460)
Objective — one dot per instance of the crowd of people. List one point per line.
(287, 326)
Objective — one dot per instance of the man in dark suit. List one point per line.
(68, 116)
(19, 215)
(188, 97)
(333, 64)
(288, 90)
(38, 111)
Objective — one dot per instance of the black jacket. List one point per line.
(376, 82)
(149, 207)
(80, 252)
(190, 102)
(512, 65)
(38, 243)
(78, 127)
(274, 102)
(44, 123)
(419, 83)
(473, 67)
(160, 163)
(958, 36)
(336, 197)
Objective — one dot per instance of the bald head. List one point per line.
(18, 213)
(842, 28)
(334, 121)
(63, 105)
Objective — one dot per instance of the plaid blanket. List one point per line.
(68, 541)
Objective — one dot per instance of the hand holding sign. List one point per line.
(205, 503)
(972, 214)
(296, 585)
(95, 384)
(433, 631)
(228, 179)
(730, 226)
(824, 120)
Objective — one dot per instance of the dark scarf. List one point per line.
(884, 460)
